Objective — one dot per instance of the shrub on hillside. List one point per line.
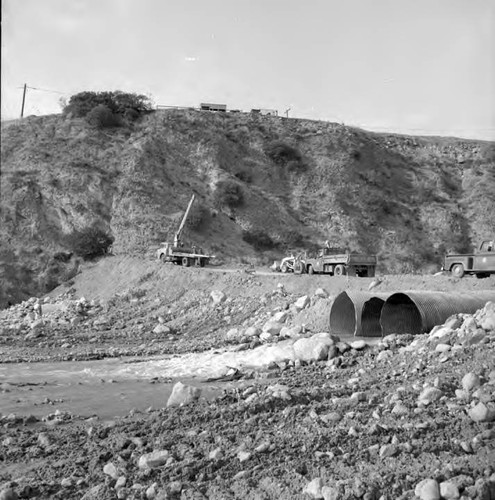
(125, 104)
(259, 240)
(102, 116)
(90, 242)
(197, 217)
(228, 193)
(284, 155)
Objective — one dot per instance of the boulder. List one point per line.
(217, 297)
(301, 303)
(153, 459)
(183, 394)
(314, 348)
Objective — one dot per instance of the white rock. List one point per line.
(311, 349)
(321, 292)
(160, 328)
(292, 331)
(443, 348)
(216, 454)
(330, 493)
(358, 345)
(266, 336)
(483, 412)
(470, 381)
(217, 297)
(388, 450)
(313, 488)
(427, 489)
(110, 470)
(442, 332)
(272, 327)
(429, 395)
(252, 331)
(280, 317)
(301, 303)
(183, 394)
(243, 456)
(233, 334)
(152, 491)
(449, 490)
(153, 459)
(382, 355)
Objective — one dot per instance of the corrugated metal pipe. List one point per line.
(418, 312)
(357, 313)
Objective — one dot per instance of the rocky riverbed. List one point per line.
(398, 418)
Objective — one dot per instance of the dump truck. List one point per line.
(481, 262)
(331, 260)
(180, 253)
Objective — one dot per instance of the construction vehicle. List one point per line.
(333, 261)
(180, 254)
(481, 262)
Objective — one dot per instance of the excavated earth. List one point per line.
(396, 418)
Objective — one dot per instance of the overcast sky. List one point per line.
(411, 66)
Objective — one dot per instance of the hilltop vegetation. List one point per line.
(262, 185)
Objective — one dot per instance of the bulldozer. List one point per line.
(179, 253)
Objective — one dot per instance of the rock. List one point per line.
(67, 482)
(280, 317)
(443, 348)
(427, 489)
(243, 456)
(313, 488)
(252, 331)
(183, 394)
(311, 349)
(215, 454)
(382, 355)
(291, 332)
(429, 395)
(449, 490)
(301, 303)
(8, 494)
(358, 345)
(233, 334)
(330, 493)
(121, 482)
(110, 470)
(152, 491)
(266, 336)
(44, 440)
(388, 450)
(160, 328)
(272, 327)
(217, 297)
(482, 412)
(470, 381)
(96, 493)
(321, 292)
(153, 459)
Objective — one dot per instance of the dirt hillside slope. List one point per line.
(297, 182)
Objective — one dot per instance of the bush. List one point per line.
(197, 217)
(228, 193)
(90, 242)
(101, 116)
(125, 104)
(285, 156)
(259, 240)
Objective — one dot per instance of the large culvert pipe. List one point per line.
(418, 312)
(357, 313)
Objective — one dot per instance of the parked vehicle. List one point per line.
(180, 253)
(333, 261)
(481, 262)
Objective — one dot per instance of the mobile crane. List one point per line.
(180, 254)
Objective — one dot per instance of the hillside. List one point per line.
(408, 199)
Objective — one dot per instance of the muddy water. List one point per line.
(114, 386)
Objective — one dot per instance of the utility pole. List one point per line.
(287, 112)
(23, 100)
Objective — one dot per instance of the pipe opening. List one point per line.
(370, 317)
(400, 315)
(343, 316)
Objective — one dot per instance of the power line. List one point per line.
(44, 90)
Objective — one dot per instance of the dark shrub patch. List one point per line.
(102, 116)
(228, 193)
(259, 240)
(90, 242)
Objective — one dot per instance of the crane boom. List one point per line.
(181, 227)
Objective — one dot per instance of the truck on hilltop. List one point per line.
(481, 262)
